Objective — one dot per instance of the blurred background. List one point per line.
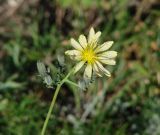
(128, 103)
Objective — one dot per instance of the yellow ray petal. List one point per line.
(73, 52)
(76, 45)
(102, 69)
(108, 61)
(91, 35)
(108, 54)
(83, 41)
(79, 66)
(88, 71)
(105, 46)
(95, 68)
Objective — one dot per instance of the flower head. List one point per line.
(92, 53)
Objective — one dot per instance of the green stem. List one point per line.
(72, 83)
(53, 102)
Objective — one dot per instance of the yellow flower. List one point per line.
(92, 53)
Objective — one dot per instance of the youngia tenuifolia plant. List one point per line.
(87, 52)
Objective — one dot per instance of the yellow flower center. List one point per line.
(89, 55)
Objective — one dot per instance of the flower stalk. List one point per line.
(54, 100)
